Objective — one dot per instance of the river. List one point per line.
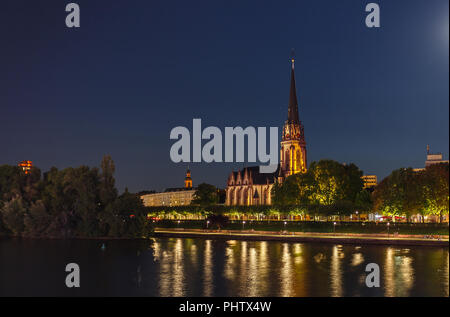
(201, 267)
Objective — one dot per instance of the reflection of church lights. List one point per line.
(286, 272)
(253, 273)
(194, 254)
(446, 272)
(178, 269)
(243, 266)
(230, 263)
(208, 279)
(336, 274)
(357, 259)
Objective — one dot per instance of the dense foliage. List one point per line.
(327, 188)
(73, 202)
(407, 192)
(84, 202)
(205, 195)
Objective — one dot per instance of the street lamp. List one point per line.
(207, 223)
(334, 227)
(243, 224)
(285, 225)
(388, 224)
(357, 215)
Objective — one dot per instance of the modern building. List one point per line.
(432, 158)
(181, 196)
(248, 186)
(26, 166)
(370, 181)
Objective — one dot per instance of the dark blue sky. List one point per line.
(136, 69)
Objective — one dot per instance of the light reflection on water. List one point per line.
(208, 279)
(264, 268)
(199, 267)
(336, 272)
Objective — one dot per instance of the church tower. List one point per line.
(188, 180)
(293, 145)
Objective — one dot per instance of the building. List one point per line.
(26, 166)
(248, 186)
(432, 158)
(370, 181)
(181, 196)
(188, 179)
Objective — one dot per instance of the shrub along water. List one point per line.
(68, 203)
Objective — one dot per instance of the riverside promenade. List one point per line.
(341, 238)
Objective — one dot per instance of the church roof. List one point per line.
(293, 104)
(257, 177)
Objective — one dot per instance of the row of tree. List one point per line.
(406, 192)
(327, 188)
(84, 202)
(73, 202)
(331, 188)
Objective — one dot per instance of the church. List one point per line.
(249, 187)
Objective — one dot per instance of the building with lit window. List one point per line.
(432, 158)
(26, 166)
(370, 181)
(181, 196)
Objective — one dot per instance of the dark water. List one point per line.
(197, 267)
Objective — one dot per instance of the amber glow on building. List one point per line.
(293, 145)
(188, 180)
(370, 181)
(181, 196)
(26, 166)
(248, 186)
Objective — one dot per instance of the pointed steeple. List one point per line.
(293, 104)
(188, 179)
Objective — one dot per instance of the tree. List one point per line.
(108, 191)
(205, 195)
(399, 194)
(127, 217)
(37, 221)
(363, 201)
(435, 189)
(10, 182)
(13, 213)
(326, 183)
(68, 203)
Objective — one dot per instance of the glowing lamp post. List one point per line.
(334, 227)
(388, 224)
(207, 223)
(243, 224)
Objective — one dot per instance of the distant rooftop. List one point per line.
(178, 189)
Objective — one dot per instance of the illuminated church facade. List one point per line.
(248, 186)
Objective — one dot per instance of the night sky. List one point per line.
(136, 69)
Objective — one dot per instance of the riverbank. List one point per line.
(376, 239)
(330, 227)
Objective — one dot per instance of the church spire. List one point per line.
(188, 180)
(293, 104)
